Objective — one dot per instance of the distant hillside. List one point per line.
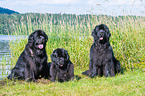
(7, 11)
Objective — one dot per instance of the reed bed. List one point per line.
(73, 33)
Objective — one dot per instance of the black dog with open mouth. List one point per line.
(61, 68)
(32, 63)
(102, 60)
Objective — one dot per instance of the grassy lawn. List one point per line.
(130, 83)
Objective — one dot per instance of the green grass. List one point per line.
(131, 83)
(127, 41)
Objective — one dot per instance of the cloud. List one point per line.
(94, 2)
(51, 2)
(12, 3)
(125, 2)
(114, 2)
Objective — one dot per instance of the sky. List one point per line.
(105, 7)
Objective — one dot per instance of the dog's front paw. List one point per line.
(92, 75)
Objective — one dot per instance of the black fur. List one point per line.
(102, 60)
(61, 68)
(32, 63)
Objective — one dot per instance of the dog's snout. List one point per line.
(60, 61)
(102, 34)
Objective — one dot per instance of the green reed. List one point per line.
(74, 35)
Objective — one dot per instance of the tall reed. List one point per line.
(73, 32)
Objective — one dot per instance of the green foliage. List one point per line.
(74, 35)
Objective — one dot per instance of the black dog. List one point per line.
(61, 67)
(32, 62)
(102, 60)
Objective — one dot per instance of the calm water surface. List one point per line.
(5, 55)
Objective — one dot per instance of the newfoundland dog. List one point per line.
(32, 63)
(61, 68)
(102, 60)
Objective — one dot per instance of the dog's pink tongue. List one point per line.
(40, 46)
(61, 65)
(101, 38)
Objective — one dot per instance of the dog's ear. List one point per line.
(94, 31)
(53, 56)
(31, 40)
(66, 54)
(46, 37)
(44, 34)
(108, 34)
(107, 30)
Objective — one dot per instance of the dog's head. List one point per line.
(60, 57)
(101, 33)
(37, 39)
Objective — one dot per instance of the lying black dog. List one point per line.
(32, 62)
(61, 68)
(102, 60)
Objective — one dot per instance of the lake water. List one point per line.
(5, 55)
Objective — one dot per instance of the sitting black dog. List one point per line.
(32, 63)
(102, 60)
(61, 68)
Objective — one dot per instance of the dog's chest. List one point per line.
(100, 50)
(62, 75)
(39, 63)
(100, 54)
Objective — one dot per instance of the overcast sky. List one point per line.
(106, 7)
